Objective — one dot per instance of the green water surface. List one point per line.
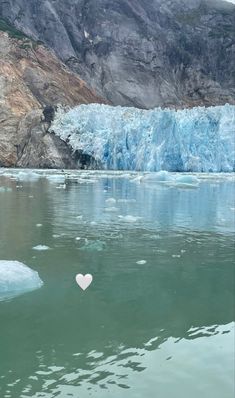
(160, 329)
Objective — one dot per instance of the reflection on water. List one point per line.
(140, 330)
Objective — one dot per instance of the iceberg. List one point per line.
(119, 138)
(41, 247)
(17, 278)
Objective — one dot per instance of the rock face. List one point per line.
(175, 53)
(31, 79)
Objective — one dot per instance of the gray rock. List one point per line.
(33, 81)
(175, 53)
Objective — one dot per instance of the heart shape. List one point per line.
(84, 281)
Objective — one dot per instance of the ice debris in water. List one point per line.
(96, 245)
(141, 262)
(126, 200)
(168, 179)
(161, 176)
(28, 176)
(56, 179)
(41, 247)
(111, 209)
(17, 278)
(129, 218)
(199, 139)
(110, 200)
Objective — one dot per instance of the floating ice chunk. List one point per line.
(56, 179)
(17, 278)
(111, 209)
(78, 238)
(62, 186)
(111, 200)
(137, 179)
(41, 247)
(38, 225)
(186, 181)
(141, 262)
(129, 218)
(28, 176)
(161, 176)
(126, 200)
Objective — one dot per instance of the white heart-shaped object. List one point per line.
(84, 281)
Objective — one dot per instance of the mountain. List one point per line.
(32, 78)
(175, 53)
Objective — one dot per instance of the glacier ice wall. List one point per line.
(199, 139)
(16, 278)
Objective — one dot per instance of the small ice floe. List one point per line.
(137, 179)
(232, 208)
(31, 196)
(80, 217)
(56, 179)
(176, 255)
(17, 278)
(92, 223)
(111, 209)
(38, 225)
(161, 176)
(141, 262)
(170, 180)
(41, 247)
(129, 218)
(30, 176)
(126, 200)
(186, 181)
(111, 200)
(62, 186)
(78, 238)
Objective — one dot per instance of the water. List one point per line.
(162, 328)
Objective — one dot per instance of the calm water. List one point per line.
(161, 329)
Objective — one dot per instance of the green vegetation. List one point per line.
(11, 30)
(26, 42)
(223, 31)
(193, 17)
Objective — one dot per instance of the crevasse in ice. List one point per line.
(199, 139)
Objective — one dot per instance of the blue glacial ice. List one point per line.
(17, 278)
(118, 138)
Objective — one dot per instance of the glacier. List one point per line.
(17, 278)
(118, 138)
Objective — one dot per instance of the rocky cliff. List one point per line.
(175, 53)
(32, 79)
